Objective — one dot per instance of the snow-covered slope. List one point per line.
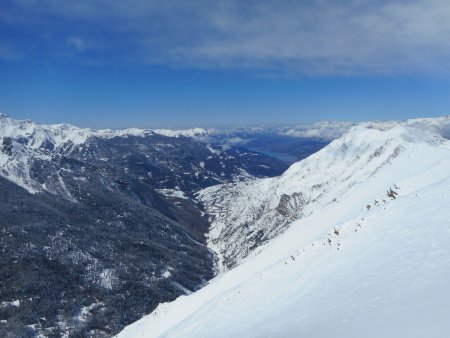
(245, 215)
(366, 253)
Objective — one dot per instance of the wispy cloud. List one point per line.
(78, 43)
(299, 37)
(7, 53)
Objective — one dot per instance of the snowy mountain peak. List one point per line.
(246, 215)
(400, 132)
(35, 135)
(361, 140)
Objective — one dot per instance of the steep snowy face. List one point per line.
(248, 214)
(369, 257)
(16, 161)
(23, 143)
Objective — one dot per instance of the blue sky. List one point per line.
(101, 63)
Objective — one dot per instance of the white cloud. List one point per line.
(231, 142)
(333, 37)
(295, 37)
(7, 53)
(329, 130)
(78, 43)
(321, 130)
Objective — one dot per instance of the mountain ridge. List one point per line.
(337, 271)
(259, 210)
